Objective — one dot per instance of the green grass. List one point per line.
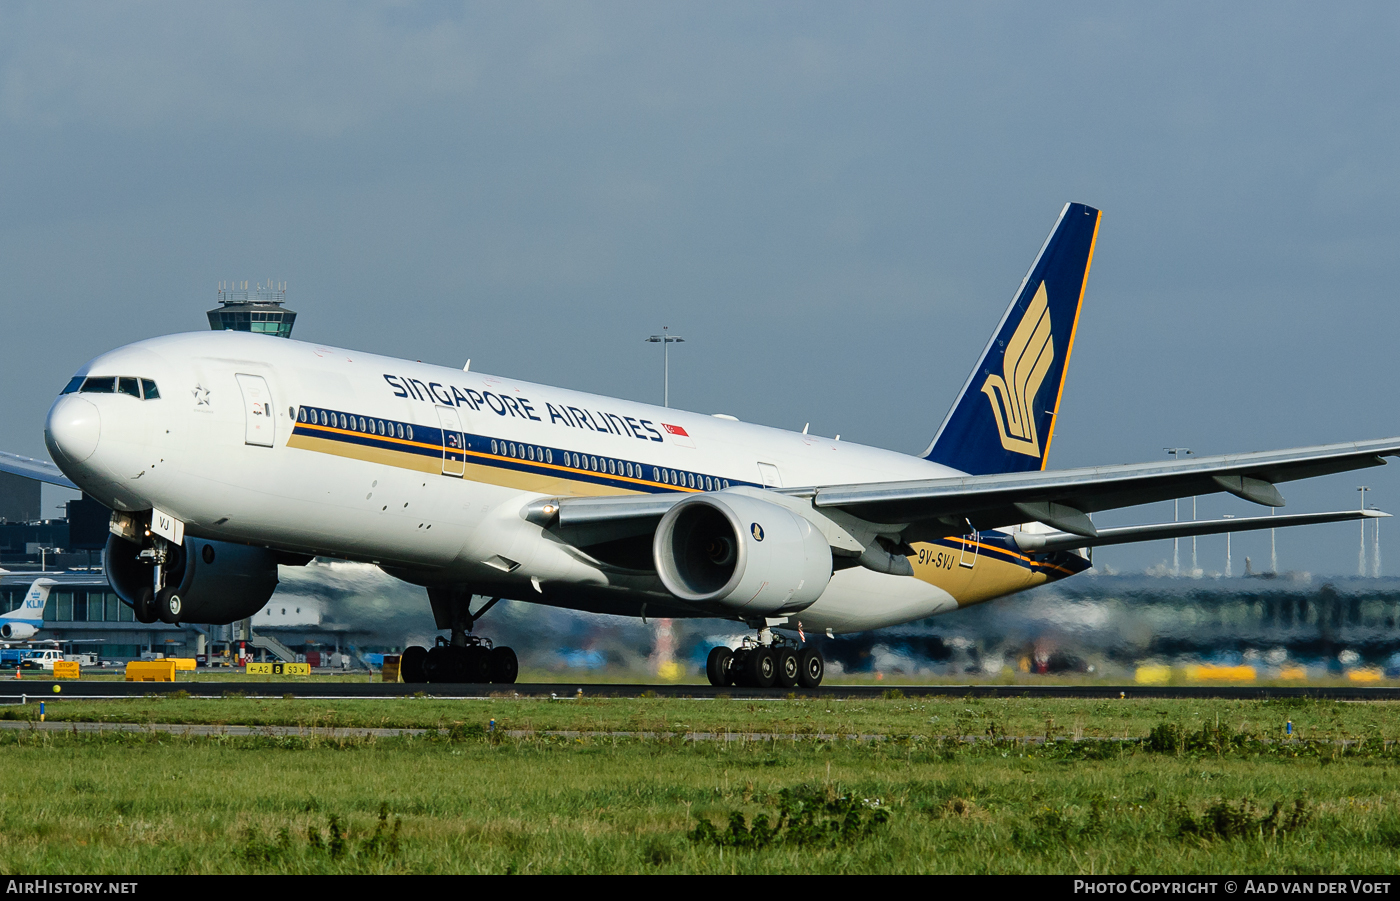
(928, 717)
(1180, 795)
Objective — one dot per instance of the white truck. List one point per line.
(43, 658)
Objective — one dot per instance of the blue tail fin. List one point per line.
(1004, 417)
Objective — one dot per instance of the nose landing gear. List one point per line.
(764, 662)
(463, 657)
(157, 601)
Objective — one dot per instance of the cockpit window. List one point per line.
(141, 389)
(106, 384)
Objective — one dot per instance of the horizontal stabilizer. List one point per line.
(1060, 541)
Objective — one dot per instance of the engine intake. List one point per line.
(209, 581)
(741, 553)
(17, 631)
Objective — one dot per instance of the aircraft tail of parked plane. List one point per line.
(1004, 417)
(25, 620)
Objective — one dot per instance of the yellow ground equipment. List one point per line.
(150, 671)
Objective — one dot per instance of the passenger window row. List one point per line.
(608, 466)
(141, 389)
(352, 423)
(521, 451)
(688, 479)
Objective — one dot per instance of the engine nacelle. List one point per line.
(17, 631)
(212, 581)
(740, 553)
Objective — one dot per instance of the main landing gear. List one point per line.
(463, 657)
(765, 662)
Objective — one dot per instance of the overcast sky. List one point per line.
(832, 203)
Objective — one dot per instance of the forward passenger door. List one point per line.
(454, 458)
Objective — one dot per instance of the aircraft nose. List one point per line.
(73, 429)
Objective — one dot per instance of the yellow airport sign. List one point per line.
(278, 669)
(65, 669)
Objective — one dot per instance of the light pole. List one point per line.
(1228, 572)
(1376, 547)
(1361, 555)
(1176, 453)
(1273, 548)
(665, 339)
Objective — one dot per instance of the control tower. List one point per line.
(257, 309)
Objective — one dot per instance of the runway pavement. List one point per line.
(33, 690)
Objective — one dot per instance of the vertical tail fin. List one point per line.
(1004, 416)
(33, 606)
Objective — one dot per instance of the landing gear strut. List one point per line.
(463, 657)
(157, 602)
(764, 662)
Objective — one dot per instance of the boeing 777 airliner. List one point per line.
(225, 454)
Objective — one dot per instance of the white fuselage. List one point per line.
(229, 448)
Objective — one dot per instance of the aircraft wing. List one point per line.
(41, 470)
(1062, 499)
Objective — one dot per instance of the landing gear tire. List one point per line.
(719, 666)
(475, 664)
(504, 666)
(411, 664)
(739, 668)
(168, 606)
(811, 668)
(437, 665)
(789, 669)
(144, 608)
(761, 668)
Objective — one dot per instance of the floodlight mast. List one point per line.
(1361, 554)
(665, 339)
(1228, 568)
(1176, 454)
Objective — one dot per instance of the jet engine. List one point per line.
(734, 552)
(17, 631)
(205, 581)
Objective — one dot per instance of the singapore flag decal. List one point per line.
(678, 435)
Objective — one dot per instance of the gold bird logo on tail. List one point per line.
(1025, 363)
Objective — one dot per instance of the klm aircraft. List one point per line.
(225, 454)
(23, 622)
